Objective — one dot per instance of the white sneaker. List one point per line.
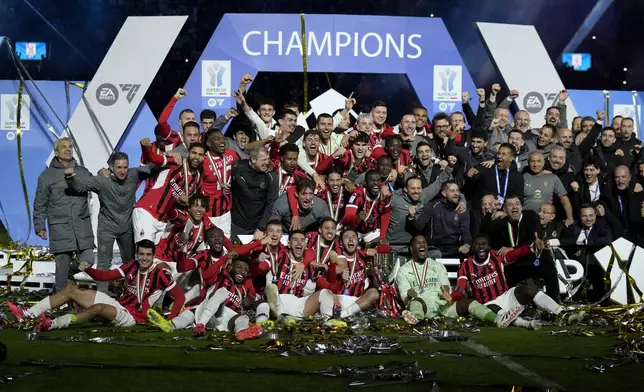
(506, 316)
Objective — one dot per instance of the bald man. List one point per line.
(625, 201)
(552, 230)
(565, 138)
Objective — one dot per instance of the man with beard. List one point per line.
(407, 203)
(143, 281)
(617, 124)
(310, 208)
(177, 141)
(591, 188)
(624, 200)
(422, 127)
(369, 209)
(425, 166)
(336, 194)
(540, 187)
(216, 178)
(573, 154)
(553, 232)
(254, 191)
(293, 272)
(407, 132)
(484, 273)
(607, 152)
(501, 179)
(523, 148)
(441, 143)
(117, 194)
(66, 213)
(310, 151)
(240, 141)
(173, 186)
(446, 229)
(264, 261)
(627, 141)
(589, 124)
(351, 290)
(546, 141)
(478, 151)
(423, 286)
(389, 177)
(522, 123)
(394, 149)
(457, 125)
(328, 144)
(515, 230)
(558, 166)
(556, 115)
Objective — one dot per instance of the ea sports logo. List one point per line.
(107, 94)
(533, 102)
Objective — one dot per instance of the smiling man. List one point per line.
(144, 281)
(310, 208)
(423, 286)
(116, 190)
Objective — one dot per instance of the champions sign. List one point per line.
(250, 43)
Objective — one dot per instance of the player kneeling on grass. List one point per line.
(484, 274)
(351, 290)
(424, 288)
(229, 304)
(286, 295)
(143, 281)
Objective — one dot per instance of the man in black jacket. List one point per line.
(254, 191)
(516, 229)
(624, 200)
(447, 231)
(550, 229)
(500, 179)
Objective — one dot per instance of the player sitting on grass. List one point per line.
(293, 271)
(351, 290)
(229, 303)
(424, 288)
(484, 273)
(144, 281)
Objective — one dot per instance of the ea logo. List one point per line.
(107, 94)
(212, 102)
(533, 102)
(11, 136)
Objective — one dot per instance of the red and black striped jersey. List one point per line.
(487, 280)
(336, 205)
(236, 293)
(287, 181)
(195, 233)
(348, 164)
(285, 269)
(374, 209)
(216, 177)
(168, 187)
(141, 286)
(357, 265)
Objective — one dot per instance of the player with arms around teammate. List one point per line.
(483, 272)
(144, 281)
(424, 288)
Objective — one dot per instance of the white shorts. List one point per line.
(346, 300)
(368, 237)
(123, 317)
(505, 301)
(292, 305)
(146, 227)
(223, 222)
(221, 319)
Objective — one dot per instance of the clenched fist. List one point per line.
(180, 93)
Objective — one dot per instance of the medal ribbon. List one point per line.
(334, 214)
(373, 204)
(223, 181)
(140, 293)
(425, 269)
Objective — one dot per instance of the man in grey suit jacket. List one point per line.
(66, 212)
